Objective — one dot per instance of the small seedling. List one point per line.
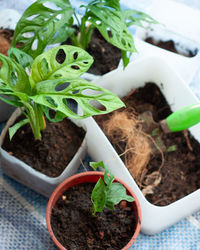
(106, 193)
(43, 24)
(49, 83)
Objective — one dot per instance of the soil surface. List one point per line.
(173, 169)
(170, 46)
(106, 56)
(6, 36)
(60, 142)
(75, 228)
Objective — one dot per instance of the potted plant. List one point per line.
(105, 16)
(48, 23)
(155, 217)
(37, 87)
(100, 216)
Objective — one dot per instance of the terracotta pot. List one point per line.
(92, 177)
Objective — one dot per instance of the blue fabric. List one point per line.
(22, 211)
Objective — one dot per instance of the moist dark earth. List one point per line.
(75, 227)
(170, 46)
(60, 142)
(106, 56)
(181, 170)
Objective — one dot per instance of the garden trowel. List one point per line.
(180, 120)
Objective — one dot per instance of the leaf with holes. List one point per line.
(40, 24)
(20, 57)
(77, 90)
(138, 18)
(13, 75)
(111, 25)
(60, 62)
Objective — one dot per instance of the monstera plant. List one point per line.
(49, 22)
(35, 89)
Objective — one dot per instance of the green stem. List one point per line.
(85, 33)
(39, 124)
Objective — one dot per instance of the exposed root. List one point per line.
(124, 130)
(185, 132)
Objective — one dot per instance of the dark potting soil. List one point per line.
(60, 142)
(179, 176)
(6, 36)
(106, 56)
(170, 46)
(75, 228)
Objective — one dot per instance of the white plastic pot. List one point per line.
(30, 177)
(177, 93)
(184, 31)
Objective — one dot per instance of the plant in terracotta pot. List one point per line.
(105, 215)
(48, 24)
(38, 87)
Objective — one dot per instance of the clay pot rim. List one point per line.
(70, 182)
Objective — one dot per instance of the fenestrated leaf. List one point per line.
(109, 3)
(14, 128)
(20, 57)
(39, 25)
(138, 18)
(13, 74)
(111, 25)
(47, 95)
(116, 193)
(60, 62)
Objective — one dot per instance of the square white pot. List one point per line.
(154, 218)
(32, 178)
(184, 31)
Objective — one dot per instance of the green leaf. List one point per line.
(47, 95)
(65, 32)
(108, 176)
(172, 148)
(59, 116)
(73, 63)
(13, 74)
(20, 57)
(110, 23)
(97, 164)
(125, 58)
(137, 18)
(39, 25)
(116, 193)
(14, 128)
(98, 197)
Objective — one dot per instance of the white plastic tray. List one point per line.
(154, 218)
(184, 31)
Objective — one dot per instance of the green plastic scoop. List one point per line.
(182, 119)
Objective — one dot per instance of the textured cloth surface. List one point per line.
(22, 211)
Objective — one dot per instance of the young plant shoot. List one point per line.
(53, 23)
(106, 193)
(35, 87)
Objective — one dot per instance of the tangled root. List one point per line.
(125, 131)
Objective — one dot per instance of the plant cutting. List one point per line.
(178, 171)
(100, 216)
(35, 90)
(43, 24)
